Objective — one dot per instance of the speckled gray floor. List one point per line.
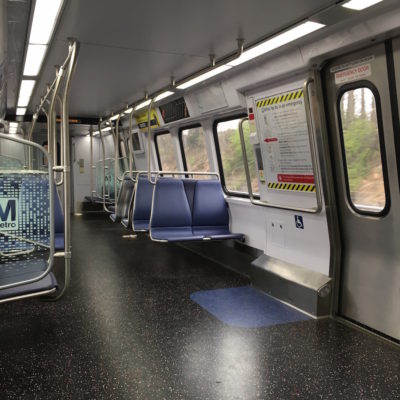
(128, 330)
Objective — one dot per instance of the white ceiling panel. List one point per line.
(128, 47)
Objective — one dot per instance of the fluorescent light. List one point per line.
(25, 92)
(204, 76)
(142, 105)
(108, 128)
(34, 59)
(44, 20)
(277, 41)
(128, 111)
(163, 95)
(360, 4)
(21, 111)
(114, 117)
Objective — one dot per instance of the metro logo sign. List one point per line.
(8, 214)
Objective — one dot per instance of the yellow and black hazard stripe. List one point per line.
(297, 187)
(282, 98)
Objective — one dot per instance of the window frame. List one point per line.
(156, 135)
(244, 195)
(364, 84)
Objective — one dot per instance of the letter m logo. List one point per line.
(8, 214)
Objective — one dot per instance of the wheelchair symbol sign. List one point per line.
(299, 221)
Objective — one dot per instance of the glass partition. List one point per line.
(24, 212)
(108, 179)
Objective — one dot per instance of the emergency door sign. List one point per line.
(282, 123)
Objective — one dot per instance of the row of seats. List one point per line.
(188, 210)
(177, 209)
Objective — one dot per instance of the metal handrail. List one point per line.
(71, 61)
(105, 208)
(198, 173)
(149, 139)
(91, 163)
(311, 135)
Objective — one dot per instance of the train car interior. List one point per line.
(200, 200)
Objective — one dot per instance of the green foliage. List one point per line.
(233, 161)
(362, 150)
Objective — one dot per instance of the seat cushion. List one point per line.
(174, 234)
(47, 283)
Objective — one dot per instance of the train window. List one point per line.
(165, 151)
(194, 149)
(362, 150)
(227, 143)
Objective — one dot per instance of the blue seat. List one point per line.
(210, 212)
(46, 284)
(171, 217)
(189, 210)
(142, 204)
(58, 222)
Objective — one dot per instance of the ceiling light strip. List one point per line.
(359, 5)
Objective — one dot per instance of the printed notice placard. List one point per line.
(285, 141)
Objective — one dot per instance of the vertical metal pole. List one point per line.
(59, 183)
(149, 140)
(74, 50)
(52, 139)
(104, 168)
(130, 145)
(245, 160)
(91, 161)
(116, 160)
(30, 136)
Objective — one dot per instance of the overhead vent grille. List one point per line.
(174, 110)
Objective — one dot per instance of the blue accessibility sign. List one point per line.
(298, 219)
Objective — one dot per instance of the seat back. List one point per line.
(170, 204)
(124, 198)
(58, 213)
(209, 206)
(142, 204)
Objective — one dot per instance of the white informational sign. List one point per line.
(283, 129)
(8, 214)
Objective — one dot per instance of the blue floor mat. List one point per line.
(246, 307)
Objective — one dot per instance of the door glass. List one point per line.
(362, 150)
